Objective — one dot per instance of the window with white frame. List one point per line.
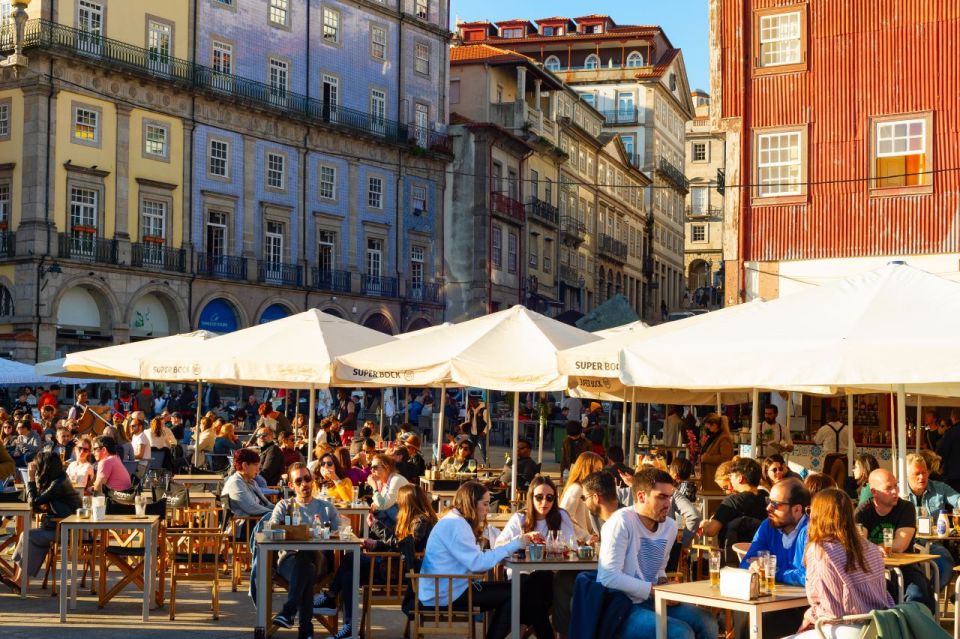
(83, 210)
(219, 158)
(154, 220)
(216, 241)
(421, 58)
(698, 232)
(533, 250)
(160, 45)
(512, 243)
(378, 110)
(375, 192)
(421, 122)
(378, 42)
(328, 182)
(547, 254)
(592, 61)
(279, 12)
(331, 25)
(698, 200)
(699, 152)
(634, 60)
(155, 139)
(552, 63)
(326, 251)
(418, 194)
(90, 25)
(273, 242)
(779, 163)
(422, 9)
(5, 119)
(4, 206)
(416, 268)
(496, 246)
(279, 80)
(375, 259)
(780, 36)
(902, 155)
(222, 57)
(276, 171)
(86, 125)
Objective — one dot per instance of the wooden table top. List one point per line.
(703, 589)
(900, 559)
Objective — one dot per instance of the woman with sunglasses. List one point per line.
(542, 517)
(385, 482)
(330, 475)
(774, 469)
(7, 434)
(460, 462)
(80, 470)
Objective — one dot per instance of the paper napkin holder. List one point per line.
(738, 583)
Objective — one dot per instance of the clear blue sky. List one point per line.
(684, 21)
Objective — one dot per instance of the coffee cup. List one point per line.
(585, 552)
(536, 551)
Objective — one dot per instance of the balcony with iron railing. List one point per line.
(228, 267)
(8, 243)
(426, 292)
(152, 65)
(629, 115)
(84, 245)
(151, 255)
(612, 248)
(544, 211)
(673, 175)
(574, 74)
(572, 230)
(570, 276)
(703, 211)
(506, 207)
(279, 273)
(379, 286)
(335, 281)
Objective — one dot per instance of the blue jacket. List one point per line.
(938, 496)
(596, 611)
(790, 569)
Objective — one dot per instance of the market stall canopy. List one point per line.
(292, 352)
(12, 372)
(873, 332)
(128, 361)
(512, 350)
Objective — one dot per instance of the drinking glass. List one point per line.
(346, 532)
(140, 505)
(87, 501)
(762, 557)
(888, 540)
(772, 574)
(956, 519)
(472, 465)
(715, 562)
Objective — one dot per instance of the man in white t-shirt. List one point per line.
(635, 545)
(775, 436)
(833, 438)
(139, 439)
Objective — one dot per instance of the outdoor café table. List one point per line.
(265, 574)
(359, 512)
(148, 524)
(701, 593)
(197, 479)
(525, 565)
(24, 515)
(895, 561)
(706, 499)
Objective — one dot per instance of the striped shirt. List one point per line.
(834, 592)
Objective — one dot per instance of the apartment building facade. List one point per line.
(703, 233)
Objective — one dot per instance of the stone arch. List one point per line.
(243, 320)
(698, 274)
(333, 309)
(379, 320)
(106, 301)
(418, 323)
(279, 301)
(175, 308)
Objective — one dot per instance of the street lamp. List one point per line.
(17, 60)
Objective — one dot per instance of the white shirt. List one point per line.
(165, 439)
(826, 437)
(514, 528)
(141, 441)
(571, 501)
(780, 434)
(633, 558)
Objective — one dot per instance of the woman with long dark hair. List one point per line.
(453, 548)
(330, 475)
(845, 574)
(862, 467)
(48, 490)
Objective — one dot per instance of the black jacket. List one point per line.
(271, 464)
(60, 498)
(387, 541)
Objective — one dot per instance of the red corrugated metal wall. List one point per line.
(865, 58)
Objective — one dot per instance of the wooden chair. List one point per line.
(381, 594)
(86, 558)
(195, 554)
(444, 619)
(237, 530)
(126, 552)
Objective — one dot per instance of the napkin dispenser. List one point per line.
(738, 583)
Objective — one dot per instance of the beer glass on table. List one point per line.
(715, 563)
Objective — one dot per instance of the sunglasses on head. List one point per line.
(549, 497)
(306, 479)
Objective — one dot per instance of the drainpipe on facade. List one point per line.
(744, 196)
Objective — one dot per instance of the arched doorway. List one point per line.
(379, 322)
(417, 324)
(219, 316)
(332, 311)
(84, 320)
(153, 315)
(273, 312)
(698, 274)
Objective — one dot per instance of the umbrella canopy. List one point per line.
(617, 330)
(17, 373)
(872, 332)
(293, 352)
(128, 361)
(512, 350)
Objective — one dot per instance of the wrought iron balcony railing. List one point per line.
(279, 273)
(159, 256)
(505, 206)
(427, 292)
(77, 245)
(673, 175)
(8, 243)
(613, 248)
(379, 286)
(569, 275)
(621, 116)
(572, 230)
(336, 281)
(544, 211)
(228, 267)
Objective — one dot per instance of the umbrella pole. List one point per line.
(851, 444)
(633, 426)
(438, 430)
(719, 404)
(755, 422)
(383, 398)
(623, 434)
(311, 421)
(790, 412)
(902, 437)
(919, 420)
(515, 437)
(196, 424)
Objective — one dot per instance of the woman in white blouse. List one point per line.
(81, 470)
(544, 517)
(386, 483)
(572, 498)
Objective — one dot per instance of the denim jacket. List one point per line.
(938, 496)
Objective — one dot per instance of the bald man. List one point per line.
(885, 510)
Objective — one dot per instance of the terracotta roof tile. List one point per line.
(661, 66)
(486, 53)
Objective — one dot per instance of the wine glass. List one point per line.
(472, 465)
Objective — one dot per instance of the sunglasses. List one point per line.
(327, 463)
(772, 503)
(550, 498)
(303, 480)
(86, 450)
(375, 467)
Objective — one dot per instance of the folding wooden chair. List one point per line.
(195, 554)
(389, 593)
(444, 619)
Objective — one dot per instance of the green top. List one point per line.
(865, 494)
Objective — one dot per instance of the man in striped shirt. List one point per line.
(634, 548)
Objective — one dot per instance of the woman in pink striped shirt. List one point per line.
(844, 571)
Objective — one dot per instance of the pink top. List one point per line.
(113, 473)
(834, 592)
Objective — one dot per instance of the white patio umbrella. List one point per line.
(872, 332)
(293, 352)
(512, 350)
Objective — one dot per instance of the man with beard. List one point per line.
(775, 436)
(634, 547)
(784, 533)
